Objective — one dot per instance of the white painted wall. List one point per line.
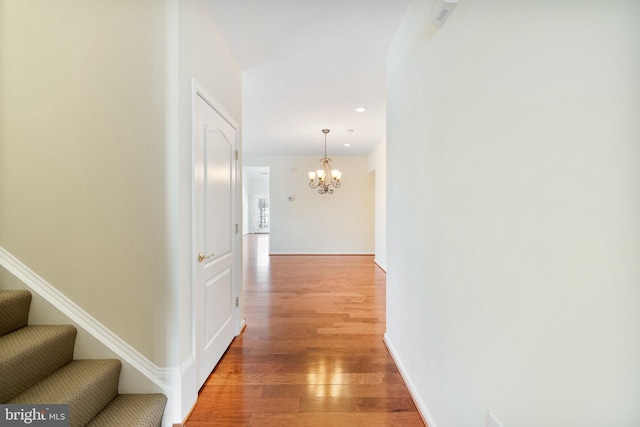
(513, 150)
(202, 55)
(245, 203)
(255, 184)
(378, 165)
(338, 223)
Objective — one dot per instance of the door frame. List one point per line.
(236, 242)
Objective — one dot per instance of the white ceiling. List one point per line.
(306, 65)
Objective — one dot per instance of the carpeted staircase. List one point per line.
(37, 367)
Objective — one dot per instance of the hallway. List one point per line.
(312, 352)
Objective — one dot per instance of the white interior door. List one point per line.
(214, 241)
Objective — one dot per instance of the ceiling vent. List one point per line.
(441, 11)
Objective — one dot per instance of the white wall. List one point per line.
(245, 203)
(255, 184)
(202, 55)
(513, 150)
(378, 165)
(338, 223)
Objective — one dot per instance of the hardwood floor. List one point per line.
(312, 353)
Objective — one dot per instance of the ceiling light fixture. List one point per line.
(361, 109)
(325, 177)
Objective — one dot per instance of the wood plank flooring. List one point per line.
(312, 353)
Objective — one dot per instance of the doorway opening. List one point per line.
(257, 216)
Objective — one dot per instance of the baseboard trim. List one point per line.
(379, 266)
(184, 421)
(417, 399)
(243, 326)
(161, 377)
(321, 253)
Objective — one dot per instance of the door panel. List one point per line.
(217, 289)
(217, 155)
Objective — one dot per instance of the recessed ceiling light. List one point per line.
(347, 145)
(361, 109)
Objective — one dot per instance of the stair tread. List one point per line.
(132, 410)
(87, 385)
(14, 310)
(37, 366)
(31, 353)
(32, 336)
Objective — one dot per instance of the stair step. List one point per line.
(37, 367)
(86, 385)
(132, 410)
(31, 353)
(14, 310)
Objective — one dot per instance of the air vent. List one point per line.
(442, 10)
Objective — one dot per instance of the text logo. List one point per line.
(34, 415)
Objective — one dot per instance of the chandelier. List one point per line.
(325, 176)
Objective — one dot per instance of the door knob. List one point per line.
(202, 257)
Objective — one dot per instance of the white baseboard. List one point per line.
(161, 377)
(241, 326)
(322, 253)
(417, 399)
(380, 266)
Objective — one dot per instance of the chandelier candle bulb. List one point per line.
(327, 177)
